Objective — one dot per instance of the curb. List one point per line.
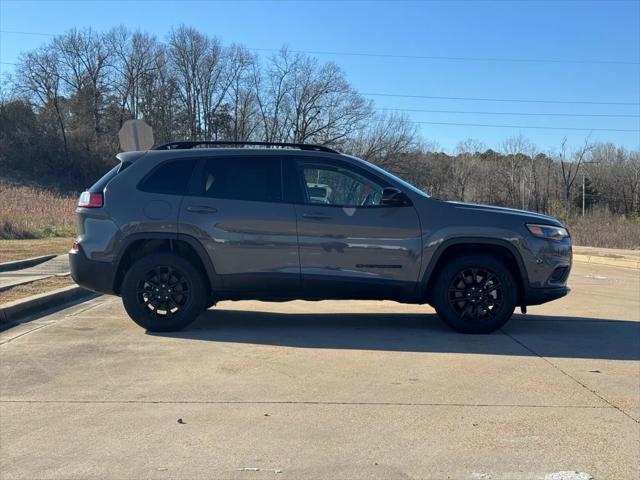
(11, 311)
(26, 263)
(30, 279)
(614, 262)
(21, 281)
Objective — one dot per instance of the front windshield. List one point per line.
(382, 171)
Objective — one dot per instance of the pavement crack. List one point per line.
(303, 402)
(11, 339)
(583, 385)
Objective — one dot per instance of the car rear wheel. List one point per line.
(163, 292)
(475, 294)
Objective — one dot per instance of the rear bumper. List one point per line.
(91, 274)
(537, 296)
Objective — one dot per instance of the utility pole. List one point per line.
(584, 185)
(583, 194)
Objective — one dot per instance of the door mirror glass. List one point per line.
(393, 197)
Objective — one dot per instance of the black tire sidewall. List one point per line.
(448, 314)
(195, 303)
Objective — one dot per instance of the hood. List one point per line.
(524, 214)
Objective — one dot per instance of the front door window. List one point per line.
(337, 186)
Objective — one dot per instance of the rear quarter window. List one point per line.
(169, 178)
(257, 179)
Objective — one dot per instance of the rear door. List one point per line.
(236, 209)
(350, 245)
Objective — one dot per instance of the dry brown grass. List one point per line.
(33, 212)
(20, 249)
(33, 288)
(605, 231)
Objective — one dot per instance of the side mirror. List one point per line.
(393, 197)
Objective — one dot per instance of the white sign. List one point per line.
(135, 135)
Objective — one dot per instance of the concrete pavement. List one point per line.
(328, 390)
(607, 252)
(607, 256)
(58, 265)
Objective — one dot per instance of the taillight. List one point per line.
(90, 200)
(75, 247)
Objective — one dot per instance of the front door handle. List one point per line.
(201, 209)
(316, 216)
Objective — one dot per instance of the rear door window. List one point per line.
(170, 178)
(257, 179)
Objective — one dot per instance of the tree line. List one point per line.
(62, 108)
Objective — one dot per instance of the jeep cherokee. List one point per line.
(176, 229)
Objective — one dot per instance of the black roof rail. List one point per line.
(193, 144)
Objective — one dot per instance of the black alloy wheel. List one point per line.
(163, 291)
(475, 294)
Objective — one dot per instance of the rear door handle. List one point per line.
(316, 216)
(201, 209)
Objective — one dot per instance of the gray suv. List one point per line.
(175, 229)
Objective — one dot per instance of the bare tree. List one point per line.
(160, 98)
(134, 58)
(216, 77)
(83, 61)
(570, 169)
(464, 165)
(192, 54)
(615, 174)
(242, 96)
(384, 138)
(325, 107)
(518, 151)
(272, 85)
(38, 77)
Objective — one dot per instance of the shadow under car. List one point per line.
(524, 335)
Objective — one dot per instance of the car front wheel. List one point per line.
(475, 294)
(163, 292)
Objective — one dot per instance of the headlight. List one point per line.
(548, 231)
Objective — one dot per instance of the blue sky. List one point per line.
(577, 31)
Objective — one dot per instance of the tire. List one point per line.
(475, 294)
(181, 298)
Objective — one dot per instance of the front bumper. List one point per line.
(537, 296)
(91, 274)
(548, 264)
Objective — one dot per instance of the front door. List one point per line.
(352, 246)
(237, 212)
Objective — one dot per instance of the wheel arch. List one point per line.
(136, 246)
(500, 249)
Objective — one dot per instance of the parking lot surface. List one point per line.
(328, 390)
